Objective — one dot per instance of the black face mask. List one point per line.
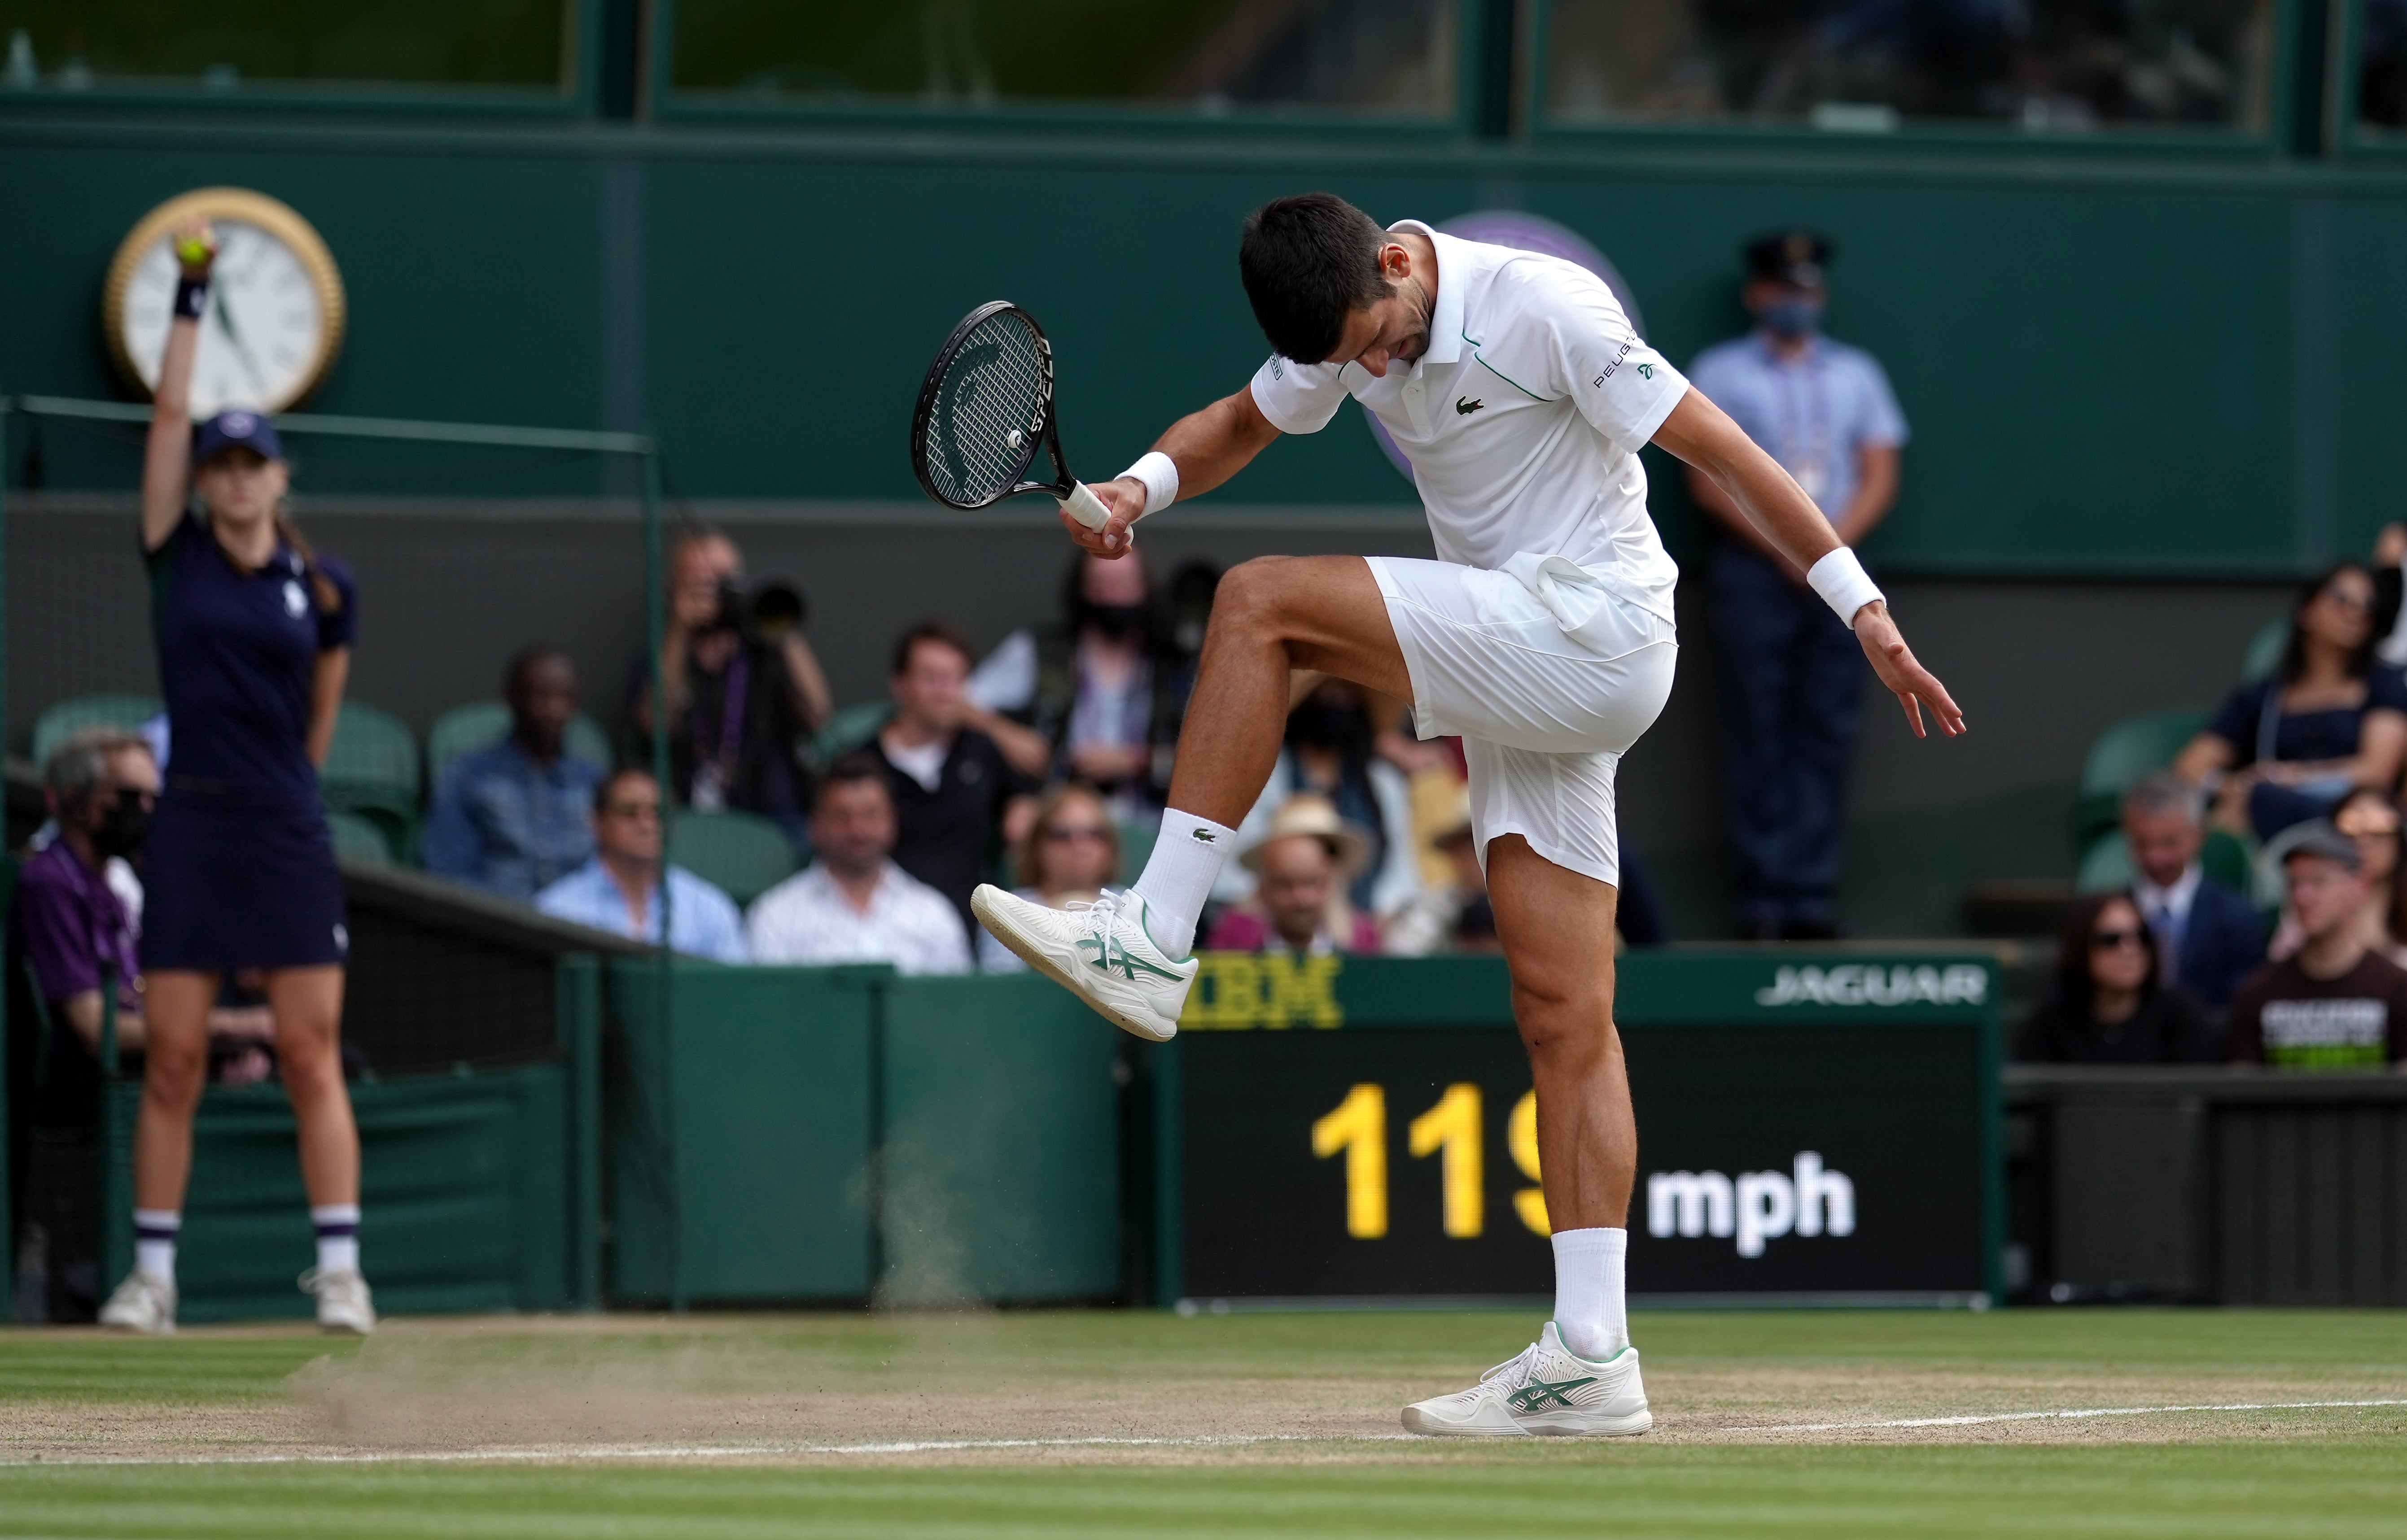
(1324, 725)
(1116, 620)
(123, 827)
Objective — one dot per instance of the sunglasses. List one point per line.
(1073, 833)
(2108, 940)
(634, 810)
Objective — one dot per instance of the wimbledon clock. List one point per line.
(275, 319)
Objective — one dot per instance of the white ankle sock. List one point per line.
(1178, 877)
(154, 1241)
(1589, 1307)
(339, 1237)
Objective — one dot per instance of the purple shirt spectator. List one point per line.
(74, 927)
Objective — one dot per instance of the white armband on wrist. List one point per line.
(1160, 474)
(1843, 585)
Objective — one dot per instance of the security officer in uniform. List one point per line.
(1792, 686)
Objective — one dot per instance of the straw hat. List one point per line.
(1310, 814)
(1458, 821)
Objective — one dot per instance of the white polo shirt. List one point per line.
(1522, 422)
(807, 919)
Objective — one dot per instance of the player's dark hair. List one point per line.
(2294, 651)
(607, 787)
(1307, 261)
(929, 630)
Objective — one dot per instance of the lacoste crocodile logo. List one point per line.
(1464, 408)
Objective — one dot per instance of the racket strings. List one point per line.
(983, 431)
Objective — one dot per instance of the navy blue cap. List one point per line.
(236, 427)
(1794, 257)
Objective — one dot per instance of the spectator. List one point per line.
(959, 774)
(1792, 694)
(2372, 821)
(2111, 1004)
(516, 817)
(626, 886)
(1329, 755)
(2287, 748)
(744, 697)
(1455, 916)
(2207, 938)
(856, 905)
(1304, 863)
(2334, 1004)
(1109, 696)
(1072, 849)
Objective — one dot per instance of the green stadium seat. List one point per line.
(61, 722)
(2121, 755)
(742, 854)
(2264, 653)
(465, 730)
(849, 727)
(2106, 863)
(371, 771)
(357, 838)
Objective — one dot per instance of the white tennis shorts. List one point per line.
(1544, 719)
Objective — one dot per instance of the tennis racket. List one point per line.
(984, 408)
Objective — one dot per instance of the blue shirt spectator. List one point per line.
(514, 818)
(620, 890)
(1812, 411)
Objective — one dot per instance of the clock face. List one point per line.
(275, 314)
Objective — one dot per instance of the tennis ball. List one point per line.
(193, 250)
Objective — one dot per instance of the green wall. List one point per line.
(2167, 365)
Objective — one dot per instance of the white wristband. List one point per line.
(1160, 474)
(1842, 582)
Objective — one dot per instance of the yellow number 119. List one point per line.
(1450, 1130)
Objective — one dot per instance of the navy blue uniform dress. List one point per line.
(240, 870)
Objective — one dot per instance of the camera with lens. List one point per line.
(763, 610)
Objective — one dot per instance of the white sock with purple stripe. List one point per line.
(339, 1237)
(154, 1241)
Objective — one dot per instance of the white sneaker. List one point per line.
(1101, 951)
(143, 1303)
(342, 1299)
(1546, 1390)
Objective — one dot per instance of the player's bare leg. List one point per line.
(1126, 954)
(1557, 929)
(1271, 615)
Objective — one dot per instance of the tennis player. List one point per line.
(1542, 635)
(254, 636)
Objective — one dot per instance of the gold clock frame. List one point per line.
(242, 206)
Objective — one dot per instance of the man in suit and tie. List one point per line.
(2208, 937)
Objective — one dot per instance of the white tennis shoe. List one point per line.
(1547, 1389)
(143, 1303)
(1101, 951)
(343, 1302)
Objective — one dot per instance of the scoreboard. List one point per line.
(1812, 1126)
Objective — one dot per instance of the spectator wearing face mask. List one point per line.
(1792, 687)
(1109, 689)
(1329, 754)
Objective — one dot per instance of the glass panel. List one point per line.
(232, 44)
(1208, 57)
(2381, 67)
(1872, 66)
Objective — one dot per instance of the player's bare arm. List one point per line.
(1703, 435)
(1208, 447)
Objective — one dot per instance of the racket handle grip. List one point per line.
(1085, 507)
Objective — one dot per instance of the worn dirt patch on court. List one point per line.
(722, 1387)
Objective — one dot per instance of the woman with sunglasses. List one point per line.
(1072, 849)
(2287, 748)
(2108, 1006)
(2371, 820)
